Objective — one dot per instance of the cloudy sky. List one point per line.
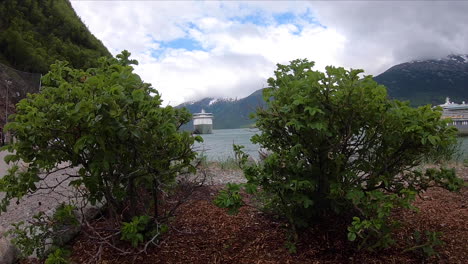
(193, 49)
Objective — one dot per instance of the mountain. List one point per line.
(34, 34)
(228, 113)
(421, 82)
(428, 81)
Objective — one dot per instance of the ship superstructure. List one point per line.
(458, 113)
(203, 123)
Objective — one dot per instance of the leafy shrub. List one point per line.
(43, 231)
(140, 229)
(134, 230)
(340, 147)
(59, 256)
(121, 147)
(107, 124)
(425, 243)
(230, 198)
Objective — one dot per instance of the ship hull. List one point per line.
(203, 129)
(462, 129)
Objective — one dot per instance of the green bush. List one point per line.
(106, 123)
(425, 243)
(108, 129)
(229, 198)
(340, 147)
(134, 230)
(43, 231)
(59, 256)
(141, 228)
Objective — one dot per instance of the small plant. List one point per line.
(230, 198)
(43, 231)
(65, 215)
(30, 239)
(59, 256)
(291, 246)
(425, 243)
(133, 231)
(142, 228)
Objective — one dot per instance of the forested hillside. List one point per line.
(428, 81)
(34, 34)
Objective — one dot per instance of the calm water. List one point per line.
(463, 148)
(218, 146)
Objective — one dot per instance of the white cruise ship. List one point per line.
(458, 113)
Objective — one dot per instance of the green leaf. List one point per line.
(138, 95)
(351, 236)
(308, 203)
(10, 158)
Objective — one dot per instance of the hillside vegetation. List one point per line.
(34, 34)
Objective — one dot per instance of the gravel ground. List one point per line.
(217, 176)
(30, 205)
(46, 201)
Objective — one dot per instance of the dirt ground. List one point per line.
(203, 233)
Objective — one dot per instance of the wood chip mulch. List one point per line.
(204, 233)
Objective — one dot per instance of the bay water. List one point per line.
(218, 146)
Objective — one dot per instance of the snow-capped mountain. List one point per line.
(228, 112)
(428, 81)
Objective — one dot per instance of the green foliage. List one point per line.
(30, 239)
(340, 147)
(134, 230)
(34, 34)
(141, 228)
(230, 198)
(43, 230)
(59, 256)
(425, 243)
(65, 214)
(107, 124)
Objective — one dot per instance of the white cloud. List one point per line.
(382, 33)
(238, 55)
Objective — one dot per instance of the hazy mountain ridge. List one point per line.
(428, 81)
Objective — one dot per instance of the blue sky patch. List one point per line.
(297, 20)
(188, 44)
(285, 18)
(256, 19)
(156, 53)
(182, 43)
(310, 18)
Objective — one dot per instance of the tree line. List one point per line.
(34, 34)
